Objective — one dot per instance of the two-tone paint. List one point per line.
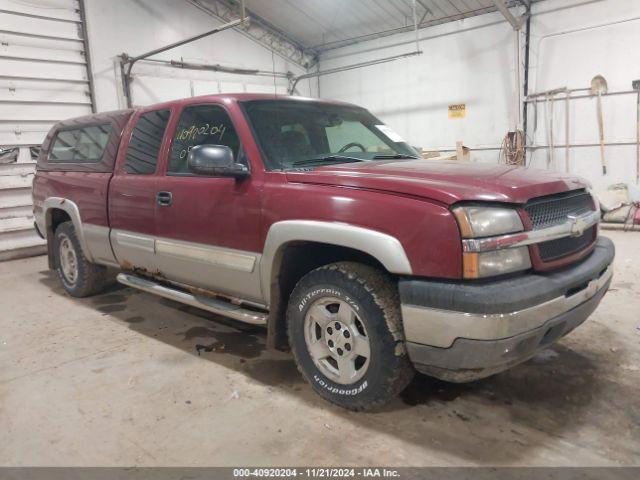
(227, 235)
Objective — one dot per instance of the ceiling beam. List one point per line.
(424, 22)
(260, 31)
(516, 23)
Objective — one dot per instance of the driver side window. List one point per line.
(199, 125)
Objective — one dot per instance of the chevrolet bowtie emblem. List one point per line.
(578, 225)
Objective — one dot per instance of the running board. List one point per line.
(213, 305)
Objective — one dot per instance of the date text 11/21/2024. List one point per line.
(318, 472)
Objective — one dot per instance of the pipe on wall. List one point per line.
(320, 73)
(127, 62)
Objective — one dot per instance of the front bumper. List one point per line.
(465, 331)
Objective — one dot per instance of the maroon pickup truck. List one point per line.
(317, 220)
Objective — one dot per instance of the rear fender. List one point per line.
(66, 205)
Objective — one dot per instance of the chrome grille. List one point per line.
(555, 249)
(553, 210)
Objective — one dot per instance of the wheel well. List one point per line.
(292, 261)
(55, 217)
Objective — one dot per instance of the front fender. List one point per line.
(386, 249)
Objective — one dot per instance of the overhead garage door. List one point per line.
(44, 77)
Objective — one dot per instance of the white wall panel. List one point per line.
(23, 211)
(17, 236)
(12, 133)
(43, 70)
(267, 88)
(231, 87)
(147, 90)
(12, 182)
(41, 53)
(164, 84)
(39, 41)
(10, 198)
(38, 26)
(55, 9)
(43, 79)
(42, 111)
(44, 95)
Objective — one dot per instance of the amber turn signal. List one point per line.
(463, 222)
(470, 266)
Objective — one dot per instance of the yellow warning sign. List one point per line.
(458, 111)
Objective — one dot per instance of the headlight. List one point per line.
(479, 222)
(487, 221)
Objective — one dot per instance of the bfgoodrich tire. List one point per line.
(346, 335)
(80, 278)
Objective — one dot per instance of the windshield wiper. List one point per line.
(327, 159)
(394, 156)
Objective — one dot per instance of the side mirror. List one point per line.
(215, 161)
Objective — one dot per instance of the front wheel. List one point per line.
(346, 335)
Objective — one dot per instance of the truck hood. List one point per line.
(447, 182)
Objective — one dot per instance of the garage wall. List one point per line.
(469, 61)
(473, 62)
(137, 26)
(570, 47)
(43, 78)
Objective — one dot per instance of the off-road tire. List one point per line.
(90, 278)
(374, 295)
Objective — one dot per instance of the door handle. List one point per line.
(164, 199)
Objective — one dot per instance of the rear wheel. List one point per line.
(79, 277)
(346, 335)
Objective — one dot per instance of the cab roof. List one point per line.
(243, 97)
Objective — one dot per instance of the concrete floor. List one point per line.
(117, 380)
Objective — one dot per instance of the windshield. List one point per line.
(301, 134)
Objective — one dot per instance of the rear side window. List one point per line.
(80, 145)
(143, 149)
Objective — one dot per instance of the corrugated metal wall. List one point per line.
(44, 77)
